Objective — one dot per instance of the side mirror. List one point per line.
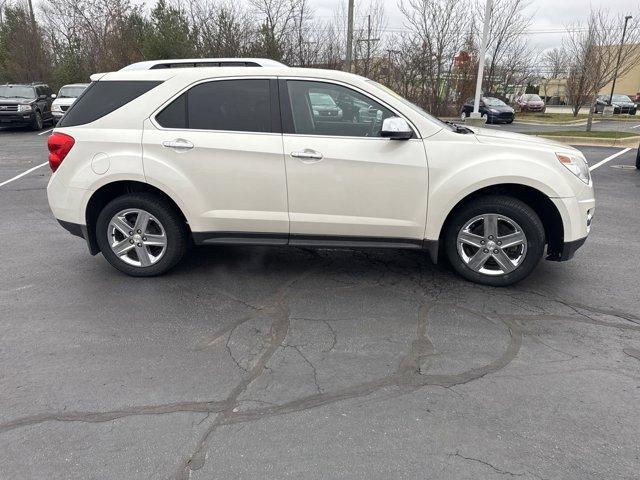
(54, 96)
(396, 128)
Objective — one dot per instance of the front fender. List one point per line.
(477, 166)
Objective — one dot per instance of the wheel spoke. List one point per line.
(155, 240)
(478, 260)
(143, 256)
(122, 248)
(512, 239)
(121, 224)
(142, 220)
(470, 239)
(490, 225)
(504, 261)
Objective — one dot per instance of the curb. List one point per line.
(630, 142)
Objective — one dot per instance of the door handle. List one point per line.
(307, 154)
(179, 144)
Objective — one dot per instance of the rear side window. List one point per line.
(228, 105)
(102, 98)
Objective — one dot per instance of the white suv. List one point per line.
(147, 162)
(66, 96)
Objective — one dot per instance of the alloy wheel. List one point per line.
(492, 244)
(136, 237)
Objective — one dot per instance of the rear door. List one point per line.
(345, 182)
(217, 147)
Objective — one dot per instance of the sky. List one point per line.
(548, 15)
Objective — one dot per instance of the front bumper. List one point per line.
(16, 118)
(567, 252)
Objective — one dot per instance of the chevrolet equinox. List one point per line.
(147, 162)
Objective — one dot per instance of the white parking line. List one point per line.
(46, 131)
(609, 158)
(23, 174)
(635, 126)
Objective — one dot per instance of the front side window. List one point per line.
(318, 108)
(228, 105)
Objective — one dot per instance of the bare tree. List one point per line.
(437, 34)
(554, 67)
(594, 53)
(509, 20)
(277, 19)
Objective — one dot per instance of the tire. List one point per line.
(509, 213)
(463, 116)
(37, 123)
(510, 121)
(165, 225)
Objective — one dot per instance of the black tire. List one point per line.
(174, 226)
(37, 123)
(510, 121)
(512, 208)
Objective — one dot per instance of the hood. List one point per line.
(500, 108)
(16, 101)
(536, 103)
(63, 101)
(487, 135)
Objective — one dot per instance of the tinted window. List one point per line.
(325, 109)
(175, 114)
(102, 98)
(231, 105)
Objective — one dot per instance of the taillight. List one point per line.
(59, 146)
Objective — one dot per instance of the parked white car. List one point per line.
(235, 155)
(66, 96)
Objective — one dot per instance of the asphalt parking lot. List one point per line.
(272, 363)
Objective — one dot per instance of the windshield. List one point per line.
(532, 98)
(620, 98)
(493, 102)
(17, 91)
(415, 107)
(321, 99)
(71, 91)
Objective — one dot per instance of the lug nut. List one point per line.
(130, 233)
(139, 244)
(139, 231)
(486, 250)
(131, 241)
(482, 242)
(144, 238)
(490, 237)
(499, 243)
(495, 251)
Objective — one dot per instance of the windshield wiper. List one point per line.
(459, 128)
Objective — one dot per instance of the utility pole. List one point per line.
(615, 75)
(368, 41)
(481, 55)
(347, 63)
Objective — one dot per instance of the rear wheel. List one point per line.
(141, 235)
(495, 240)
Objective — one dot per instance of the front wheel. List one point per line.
(495, 240)
(37, 122)
(141, 234)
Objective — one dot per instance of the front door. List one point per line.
(345, 182)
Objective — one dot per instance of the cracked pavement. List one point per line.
(256, 362)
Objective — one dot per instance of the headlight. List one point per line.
(24, 108)
(575, 164)
(56, 108)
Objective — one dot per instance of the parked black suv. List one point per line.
(26, 105)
